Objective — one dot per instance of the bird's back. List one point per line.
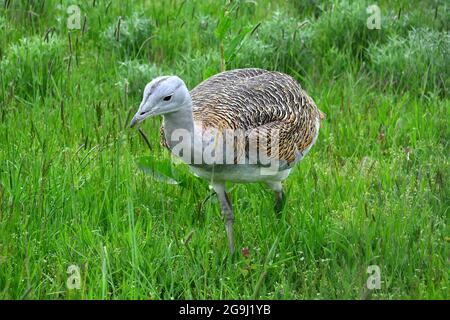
(256, 99)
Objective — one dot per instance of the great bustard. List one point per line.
(244, 125)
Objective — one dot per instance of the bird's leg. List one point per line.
(229, 216)
(277, 187)
(279, 201)
(227, 212)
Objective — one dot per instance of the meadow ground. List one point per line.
(78, 188)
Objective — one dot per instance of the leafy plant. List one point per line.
(230, 42)
(33, 65)
(129, 35)
(344, 26)
(161, 171)
(137, 75)
(198, 67)
(417, 63)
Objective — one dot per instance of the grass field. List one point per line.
(78, 187)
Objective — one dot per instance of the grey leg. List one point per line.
(277, 187)
(227, 212)
(279, 201)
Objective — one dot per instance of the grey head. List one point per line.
(161, 96)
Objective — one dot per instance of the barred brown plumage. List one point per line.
(274, 117)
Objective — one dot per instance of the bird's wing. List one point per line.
(267, 105)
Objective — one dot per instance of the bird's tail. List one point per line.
(322, 115)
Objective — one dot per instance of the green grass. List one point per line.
(373, 191)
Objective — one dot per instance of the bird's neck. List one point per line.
(179, 124)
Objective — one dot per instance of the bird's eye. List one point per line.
(167, 98)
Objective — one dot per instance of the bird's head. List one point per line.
(162, 95)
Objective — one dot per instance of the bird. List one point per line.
(239, 126)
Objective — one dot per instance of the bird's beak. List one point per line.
(134, 121)
(140, 116)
